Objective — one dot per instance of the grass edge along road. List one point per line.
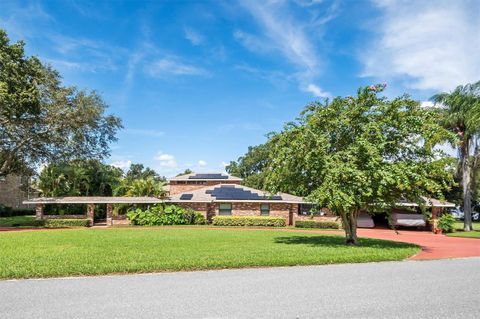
(77, 252)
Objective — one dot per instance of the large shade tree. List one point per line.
(461, 114)
(361, 152)
(42, 121)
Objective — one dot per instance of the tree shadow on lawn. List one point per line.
(337, 241)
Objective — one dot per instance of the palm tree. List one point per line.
(461, 109)
(146, 187)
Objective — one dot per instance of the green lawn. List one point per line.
(460, 233)
(471, 234)
(77, 252)
(459, 225)
(18, 221)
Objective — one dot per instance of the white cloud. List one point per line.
(172, 66)
(202, 163)
(308, 3)
(294, 37)
(252, 42)
(317, 91)
(166, 160)
(122, 164)
(224, 164)
(428, 45)
(427, 104)
(144, 132)
(284, 33)
(193, 36)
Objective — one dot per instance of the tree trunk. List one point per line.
(467, 194)
(349, 222)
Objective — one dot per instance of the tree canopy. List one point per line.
(79, 178)
(360, 153)
(185, 172)
(139, 171)
(251, 166)
(42, 121)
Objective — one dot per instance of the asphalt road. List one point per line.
(412, 289)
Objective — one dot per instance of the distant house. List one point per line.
(12, 193)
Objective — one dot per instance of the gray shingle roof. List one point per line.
(233, 193)
(429, 202)
(93, 200)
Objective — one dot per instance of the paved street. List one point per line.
(412, 289)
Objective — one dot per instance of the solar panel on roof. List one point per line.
(208, 176)
(227, 192)
(186, 197)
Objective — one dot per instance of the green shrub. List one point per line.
(20, 221)
(161, 214)
(23, 211)
(199, 219)
(317, 224)
(248, 221)
(59, 223)
(5, 211)
(446, 223)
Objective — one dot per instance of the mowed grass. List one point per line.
(475, 233)
(56, 253)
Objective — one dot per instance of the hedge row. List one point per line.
(317, 224)
(6, 211)
(248, 221)
(58, 223)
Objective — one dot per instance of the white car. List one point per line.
(457, 212)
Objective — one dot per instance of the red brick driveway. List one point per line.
(433, 246)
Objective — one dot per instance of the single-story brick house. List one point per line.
(220, 194)
(223, 195)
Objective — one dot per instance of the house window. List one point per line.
(310, 210)
(264, 209)
(225, 209)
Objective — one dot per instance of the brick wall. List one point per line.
(244, 209)
(10, 192)
(177, 187)
(120, 220)
(198, 207)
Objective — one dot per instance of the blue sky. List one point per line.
(197, 82)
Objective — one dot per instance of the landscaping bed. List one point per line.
(85, 251)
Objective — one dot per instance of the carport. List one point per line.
(90, 201)
(410, 219)
(436, 206)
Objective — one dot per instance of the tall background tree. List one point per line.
(141, 181)
(185, 172)
(361, 153)
(139, 171)
(251, 166)
(42, 121)
(461, 114)
(78, 178)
